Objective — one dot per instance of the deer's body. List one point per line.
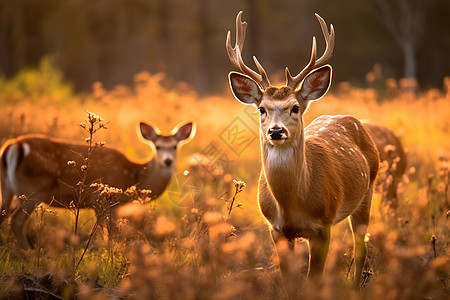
(36, 166)
(391, 151)
(311, 177)
(38, 158)
(316, 183)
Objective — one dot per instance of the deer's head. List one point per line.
(166, 145)
(281, 107)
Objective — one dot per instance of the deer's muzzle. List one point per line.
(277, 135)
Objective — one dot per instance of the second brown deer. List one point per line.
(393, 159)
(312, 177)
(36, 166)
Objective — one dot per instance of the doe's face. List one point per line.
(166, 145)
(166, 150)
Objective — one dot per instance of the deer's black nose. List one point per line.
(168, 162)
(276, 133)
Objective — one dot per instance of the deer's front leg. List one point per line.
(318, 248)
(286, 256)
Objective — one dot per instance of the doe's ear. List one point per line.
(245, 89)
(185, 131)
(316, 84)
(148, 132)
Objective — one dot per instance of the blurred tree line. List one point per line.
(111, 40)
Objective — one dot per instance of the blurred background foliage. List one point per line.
(111, 40)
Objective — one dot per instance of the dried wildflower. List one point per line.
(84, 168)
(433, 244)
(106, 190)
(100, 144)
(87, 140)
(433, 239)
(239, 185)
(389, 149)
(140, 195)
(71, 163)
(93, 118)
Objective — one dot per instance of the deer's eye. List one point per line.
(261, 110)
(175, 147)
(158, 147)
(295, 109)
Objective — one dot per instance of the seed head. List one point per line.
(93, 118)
(433, 239)
(71, 163)
(239, 185)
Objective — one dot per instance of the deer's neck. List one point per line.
(155, 177)
(286, 171)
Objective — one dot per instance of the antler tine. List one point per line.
(264, 78)
(294, 81)
(313, 63)
(329, 41)
(235, 54)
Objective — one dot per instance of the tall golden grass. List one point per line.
(205, 239)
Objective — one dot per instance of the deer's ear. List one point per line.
(316, 84)
(148, 132)
(185, 131)
(245, 89)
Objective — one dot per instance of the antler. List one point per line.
(235, 54)
(313, 63)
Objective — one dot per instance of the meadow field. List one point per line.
(204, 238)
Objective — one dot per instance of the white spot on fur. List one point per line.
(345, 129)
(337, 133)
(356, 125)
(11, 165)
(26, 149)
(336, 150)
(342, 148)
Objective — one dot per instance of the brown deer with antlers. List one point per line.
(312, 177)
(36, 166)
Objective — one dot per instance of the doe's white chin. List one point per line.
(277, 142)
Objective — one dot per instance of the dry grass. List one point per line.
(184, 245)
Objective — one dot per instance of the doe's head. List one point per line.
(167, 145)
